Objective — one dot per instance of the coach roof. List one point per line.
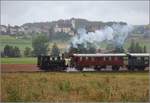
(98, 54)
(112, 54)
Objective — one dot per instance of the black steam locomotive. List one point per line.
(97, 61)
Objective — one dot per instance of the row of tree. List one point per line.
(10, 51)
(135, 47)
(14, 51)
(40, 45)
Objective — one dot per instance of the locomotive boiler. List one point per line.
(138, 61)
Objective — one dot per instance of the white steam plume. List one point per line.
(116, 33)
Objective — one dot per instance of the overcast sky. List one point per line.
(20, 12)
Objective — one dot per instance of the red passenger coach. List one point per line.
(98, 61)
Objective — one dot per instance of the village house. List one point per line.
(65, 26)
(3, 29)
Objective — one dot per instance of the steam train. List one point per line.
(134, 61)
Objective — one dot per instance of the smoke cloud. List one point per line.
(116, 34)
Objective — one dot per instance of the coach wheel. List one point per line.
(131, 68)
(141, 68)
(97, 68)
(80, 68)
(115, 68)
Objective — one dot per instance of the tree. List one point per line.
(145, 49)
(40, 44)
(132, 48)
(72, 49)
(119, 49)
(27, 52)
(135, 47)
(91, 48)
(7, 51)
(55, 50)
(2, 54)
(11, 51)
(16, 52)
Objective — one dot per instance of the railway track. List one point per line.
(30, 68)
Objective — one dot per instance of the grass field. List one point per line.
(23, 60)
(77, 87)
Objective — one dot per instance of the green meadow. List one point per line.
(22, 60)
(11, 40)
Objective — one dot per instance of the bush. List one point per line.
(28, 52)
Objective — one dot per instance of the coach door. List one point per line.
(125, 60)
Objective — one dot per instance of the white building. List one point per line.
(3, 28)
(66, 28)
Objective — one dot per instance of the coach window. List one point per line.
(138, 58)
(146, 58)
(80, 58)
(92, 58)
(104, 58)
(115, 58)
(125, 58)
(86, 58)
(109, 58)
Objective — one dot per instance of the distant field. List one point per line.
(19, 60)
(77, 87)
(22, 43)
(11, 40)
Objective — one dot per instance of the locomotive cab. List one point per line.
(51, 63)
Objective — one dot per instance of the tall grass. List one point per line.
(77, 87)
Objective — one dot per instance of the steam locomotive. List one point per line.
(138, 61)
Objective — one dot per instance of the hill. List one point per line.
(61, 32)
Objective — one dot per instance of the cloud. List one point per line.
(19, 12)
